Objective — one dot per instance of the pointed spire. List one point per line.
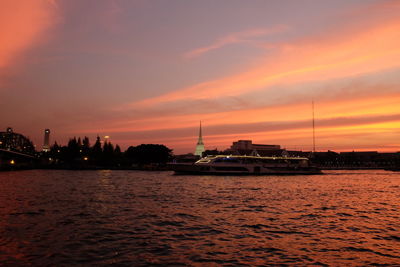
(200, 141)
(200, 145)
(313, 125)
(200, 130)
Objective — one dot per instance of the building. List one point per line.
(11, 141)
(246, 147)
(46, 143)
(200, 145)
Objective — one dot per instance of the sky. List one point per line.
(148, 71)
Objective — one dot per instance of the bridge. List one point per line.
(16, 150)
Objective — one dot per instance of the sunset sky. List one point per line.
(145, 71)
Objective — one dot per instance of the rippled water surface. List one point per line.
(155, 218)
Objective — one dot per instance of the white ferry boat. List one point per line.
(250, 165)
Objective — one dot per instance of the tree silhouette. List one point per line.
(117, 150)
(96, 151)
(148, 153)
(72, 152)
(85, 147)
(78, 154)
(108, 154)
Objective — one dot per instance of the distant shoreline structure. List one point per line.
(18, 152)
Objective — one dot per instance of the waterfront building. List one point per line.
(11, 141)
(46, 143)
(200, 145)
(246, 147)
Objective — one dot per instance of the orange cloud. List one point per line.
(369, 136)
(23, 24)
(298, 110)
(344, 124)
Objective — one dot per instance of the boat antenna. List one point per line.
(313, 126)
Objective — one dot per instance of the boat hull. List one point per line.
(394, 169)
(184, 168)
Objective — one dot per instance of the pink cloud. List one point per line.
(23, 24)
(234, 38)
(361, 47)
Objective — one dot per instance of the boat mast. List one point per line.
(313, 126)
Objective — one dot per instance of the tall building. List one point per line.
(46, 143)
(200, 145)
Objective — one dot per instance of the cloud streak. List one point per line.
(274, 131)
(235, 38)
(348, 51)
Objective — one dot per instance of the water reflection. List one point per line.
(142, 218)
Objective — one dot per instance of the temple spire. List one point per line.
(200, 145)
(200, 141)
(313, 126)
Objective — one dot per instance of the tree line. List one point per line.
(79, 153)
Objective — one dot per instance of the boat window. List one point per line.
(304, 163)
(268, 161)
(230, 168)
(227, 160)
(204, 160)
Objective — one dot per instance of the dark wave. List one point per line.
(132, 218)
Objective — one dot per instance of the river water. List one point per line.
(133, 218)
